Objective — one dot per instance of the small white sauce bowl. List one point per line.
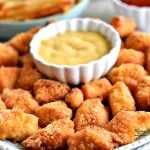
(81, 73)
(140, 14)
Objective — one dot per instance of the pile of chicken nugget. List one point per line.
(44, 114)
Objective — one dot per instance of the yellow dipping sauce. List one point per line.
(73, 48)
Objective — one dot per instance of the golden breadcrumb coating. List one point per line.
(8, 77)
(129, 125)
(8, 56)
(49, 90)
(75, 98)
(120, 98)
(91, 112)
(127, 73)
(52, 137)
(147, 64)
(125, 26)
(142, 93)
(130, 56)
(138, 41)
(52, 111)
(27, 60)
(27, 78)
(19, 99)
(2, 104)
(122, 45)
(93, 138)
(21, 41)
(97, 89)
(16, 125)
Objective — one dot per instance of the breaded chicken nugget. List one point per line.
(122, 45)
(129, 125)
(97, 89)
(27, 60)
(125, 26)
(19, 99)
(142, 93)
(138, 41)
(91, 112)
(130, 56)
(93, 138)
(8, 56)
(21, 41)
(148, 59)
(75, 98)
(120, 98)
(52, 111)
(2, 104)
(127, 73)
(52, 137)
(27, 78)
(16, 125)
(8, 77)
(49, 90)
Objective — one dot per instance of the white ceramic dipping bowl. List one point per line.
(81, 73)
(140, 14)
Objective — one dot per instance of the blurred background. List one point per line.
(102, 9)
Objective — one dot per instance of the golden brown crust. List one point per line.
(2, 104)
(122, 45)
(93, 138)
(130, 56)
(52, 137)
(8, 56)
(120, 98)
(125, 26)
(16, 125)
(19, 99)
(49, 90)
(21, 41)
(147, 59)
(97, 89)
(127, 73)
(142, 93)
(138, 41)
(75, 98)
(27, 78)
(52, 111)
(27, 61)
(91, 112)
(8, 77)
(129, 125)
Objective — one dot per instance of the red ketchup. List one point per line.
(141, 3)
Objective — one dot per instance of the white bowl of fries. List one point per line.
(18, 16)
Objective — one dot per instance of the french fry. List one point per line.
(31, 9)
